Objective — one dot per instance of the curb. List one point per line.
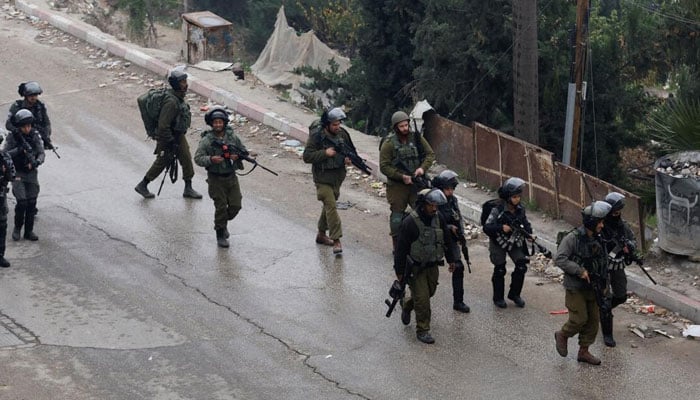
(662, 296)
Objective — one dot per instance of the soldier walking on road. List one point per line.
(215, 153)
(404, 157)
(582, 257)
(25, 147)
(30, 92)
(620, 244)
(328, 169)
(504, 227)
(7, 175)
(447, 182)
(424, 241)
(173, 122)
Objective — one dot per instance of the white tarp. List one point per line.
(285, 50)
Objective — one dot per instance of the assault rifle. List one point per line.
(171, 168)
(231, 149)
(420, 181)
(349, 152)
(27, 149)
(396, 292)
(519, 227)
(630, 256)
(465, 251)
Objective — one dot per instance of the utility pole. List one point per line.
(577, 88)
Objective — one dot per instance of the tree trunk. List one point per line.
(525, 77)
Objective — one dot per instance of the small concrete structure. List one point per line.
(207, 36)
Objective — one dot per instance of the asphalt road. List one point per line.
(126, 298)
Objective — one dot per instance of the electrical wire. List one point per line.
(676, 18)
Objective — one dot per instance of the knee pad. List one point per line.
(499, 270)
(520, 268)
(616, 301)
(395, 221)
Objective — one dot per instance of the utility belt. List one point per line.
(221, 175)
(416, 267)
(507, 243)
(615, 264)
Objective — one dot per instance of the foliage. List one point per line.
(676, 125)
(335, 22)
(143, 15)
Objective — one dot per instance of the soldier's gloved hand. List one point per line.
(48, 145)
(451, 267)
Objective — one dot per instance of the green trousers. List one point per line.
(583, 315)
(226, 193)
(423, 286)
(164, 155)
(329, 219)
(399, 196)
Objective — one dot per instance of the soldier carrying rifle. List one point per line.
(508, 228)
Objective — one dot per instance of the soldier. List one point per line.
(7, 175)
(582, 257)
(31, 91)
(620, 244)
(215, 153)
(328, 169)
(447, 182)
(173, 122)
(404, 157)
(25, 146)
(423, 242)
(505, 226)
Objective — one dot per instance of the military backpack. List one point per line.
(150, 104)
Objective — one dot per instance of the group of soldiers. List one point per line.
(29, 133)
(427, 230)
(425, 223)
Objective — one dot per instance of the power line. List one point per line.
(657, 11)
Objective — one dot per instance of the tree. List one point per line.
(143, 15)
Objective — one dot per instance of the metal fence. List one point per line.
(489, 157)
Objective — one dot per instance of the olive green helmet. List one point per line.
(398, 117)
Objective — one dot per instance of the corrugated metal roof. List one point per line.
(205, 19)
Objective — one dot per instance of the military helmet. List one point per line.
(22, 117)
(594, 213)
(29, 88)
(174, 78)
(215, 113)
(332, 115)
(616, 200)
(431, 196)
(511, 187)
(398, 117)
(447, 179)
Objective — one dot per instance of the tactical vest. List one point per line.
(183, 120)
(335, 162)
(590, 254)
(428, 249)
(406, 155)
(613, 237)
(38, 111)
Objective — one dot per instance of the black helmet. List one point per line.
(431, 196)
(174, 78)
(332, 115)
(616, 200)
(29, 88)
(594, 213)
(216, 113)
(510, 188)
(22, 117)
(447, 179)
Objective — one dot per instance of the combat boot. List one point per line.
(322, 238)
(142, 189)
(461, 307)
(562, 343)
(585, 356)
(189, 192)
(425, 337)
(19, 222)
(29, 227)
(517, 300)
(221, 240)
(337, 247)
(606, 325)
(16, 232)
(4, 263)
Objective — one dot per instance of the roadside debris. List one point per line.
(692, 331)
